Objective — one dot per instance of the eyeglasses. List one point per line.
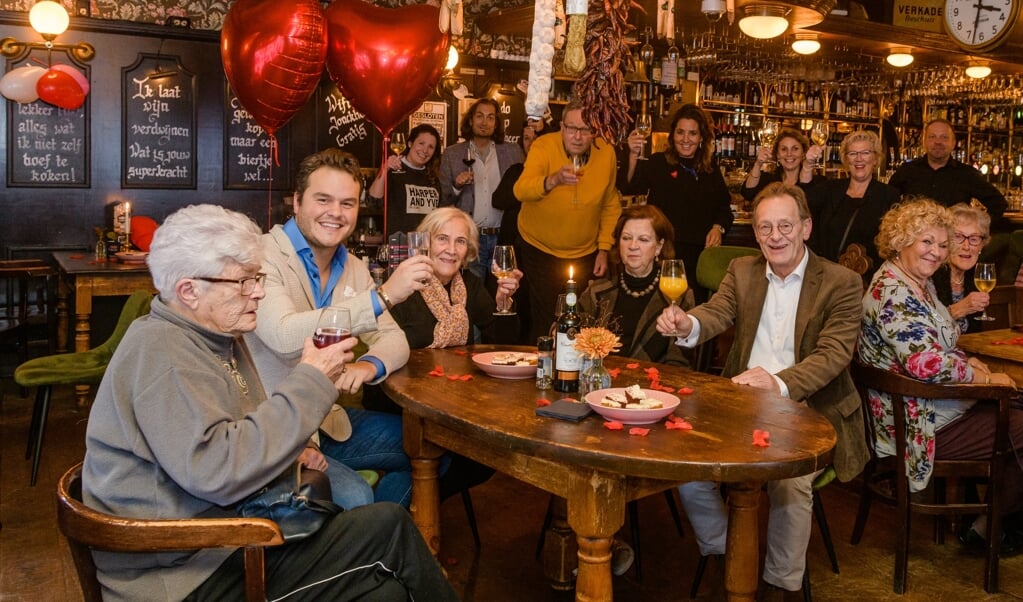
(248, 284)
(975, 239)
(857, 154)
(784, 228)
(576, 130)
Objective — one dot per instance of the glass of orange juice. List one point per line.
(673, 283)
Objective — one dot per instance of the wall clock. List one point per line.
(980, 25)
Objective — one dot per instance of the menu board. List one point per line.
(159, 133)
(340, 125)
(249, 161)
(47, 147)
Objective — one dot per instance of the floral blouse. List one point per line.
(917, 338)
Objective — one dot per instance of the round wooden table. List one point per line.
(597, 470)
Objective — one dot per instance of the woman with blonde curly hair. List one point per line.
(847, 210)
(907, 330)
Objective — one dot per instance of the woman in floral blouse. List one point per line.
(908, 331)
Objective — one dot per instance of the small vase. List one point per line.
(594, 377)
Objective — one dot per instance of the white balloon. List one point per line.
(19, 84)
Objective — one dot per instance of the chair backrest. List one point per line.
(135, 307)
(86, 529)
(713, 263)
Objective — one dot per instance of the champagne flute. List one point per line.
(644, 126)
(578, 163)
(334, 326)
(819, 136)
(673, 283)
(768, 132)
(503, 266)
(984, 278)
(398, 145)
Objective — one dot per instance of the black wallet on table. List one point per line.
(565, 409)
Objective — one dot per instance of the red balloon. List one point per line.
(385, 61)
(59, 88)
(273, 53)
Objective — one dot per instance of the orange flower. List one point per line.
(596, 342)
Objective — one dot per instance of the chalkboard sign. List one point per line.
(248, 161)
(159, 134)
(47, 147)
(339, 125)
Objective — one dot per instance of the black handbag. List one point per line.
(298, 501)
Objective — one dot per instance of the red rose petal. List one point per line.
(614, 372)
(76, 256)
(677, 424)
(761, 438)
(461, 352)
(639, 432)
(465, 377)
(613, 425)
(632, 366)
(452, 377)
(685, 391)
(542, 402)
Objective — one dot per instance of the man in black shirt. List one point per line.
(938, 176)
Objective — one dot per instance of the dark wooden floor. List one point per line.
(35, 565)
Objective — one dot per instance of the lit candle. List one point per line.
(127, 218)
(571, 270)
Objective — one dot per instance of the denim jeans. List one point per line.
(375, 444)
(481, 267)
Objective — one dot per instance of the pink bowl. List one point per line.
(627, 416)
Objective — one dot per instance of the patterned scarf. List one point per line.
(452, 318)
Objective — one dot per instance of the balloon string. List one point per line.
(270, 185)
(383, 167)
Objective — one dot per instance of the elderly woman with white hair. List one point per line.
(182, 428)
(954, 280)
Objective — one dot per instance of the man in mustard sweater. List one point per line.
(567, 217)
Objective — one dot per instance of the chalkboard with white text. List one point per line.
(249, 163)
(159, 134)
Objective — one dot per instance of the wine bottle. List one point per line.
(566, 357)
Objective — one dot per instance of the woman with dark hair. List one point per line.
(630, 295)
(789, 154)
(685, 183)
(413, 180)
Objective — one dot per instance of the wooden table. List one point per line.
(86, 278)
(1000, 358)
(598, 470)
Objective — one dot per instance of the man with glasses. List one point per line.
(796, 319)
(470, 172)
(569, 211)
(937, 175)
(308, 268)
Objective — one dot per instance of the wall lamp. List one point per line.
(49, 19)
(764, 21)
(806, 43)
(899, 57)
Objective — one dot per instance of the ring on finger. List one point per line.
(344, 369)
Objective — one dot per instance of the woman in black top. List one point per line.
(415, 191)
(684, 183)
(789, 154)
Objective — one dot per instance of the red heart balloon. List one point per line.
(385, 61)
(273, 53)
(59, 88)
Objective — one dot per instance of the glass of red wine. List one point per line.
(469, 160)
(334, 326)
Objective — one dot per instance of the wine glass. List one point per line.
(984, 279)
(398, 145)
(418, 243)
(673, 283)
(644, 126)
(768, 132)
(334, 326)
(503, 266)
(819, 136)
(469, 160)
(559, 308)
(578, 163)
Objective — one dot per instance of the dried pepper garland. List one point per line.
(601, 87)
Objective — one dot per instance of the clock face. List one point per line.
(980, 24)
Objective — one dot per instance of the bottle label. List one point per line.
(567, 358)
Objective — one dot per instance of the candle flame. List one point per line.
(571, 270)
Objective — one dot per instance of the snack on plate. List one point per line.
(632, 398)
(512, 358)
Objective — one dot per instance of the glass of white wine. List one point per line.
(398, 145)
(644, 127)
(768, 132)
(578, 163)
(673, 283)
(819, 136)
(503, 266)
(984, 279)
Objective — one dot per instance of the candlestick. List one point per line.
(127, 217)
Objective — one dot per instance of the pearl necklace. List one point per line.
(637, 294)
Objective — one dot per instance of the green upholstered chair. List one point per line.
(710, 270)
(82, 368)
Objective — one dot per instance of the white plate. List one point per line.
(483, 360)
(626, 416)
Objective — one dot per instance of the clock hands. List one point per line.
(976, 22)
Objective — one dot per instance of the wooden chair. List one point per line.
(710, 271)
(21, 278)
(885, 474)
(86, 529)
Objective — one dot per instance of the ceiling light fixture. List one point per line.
(900, 57)
(49, 19)
(764, 21)
(806, 43)
(978, 69)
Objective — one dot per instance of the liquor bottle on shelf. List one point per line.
(566, 356)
